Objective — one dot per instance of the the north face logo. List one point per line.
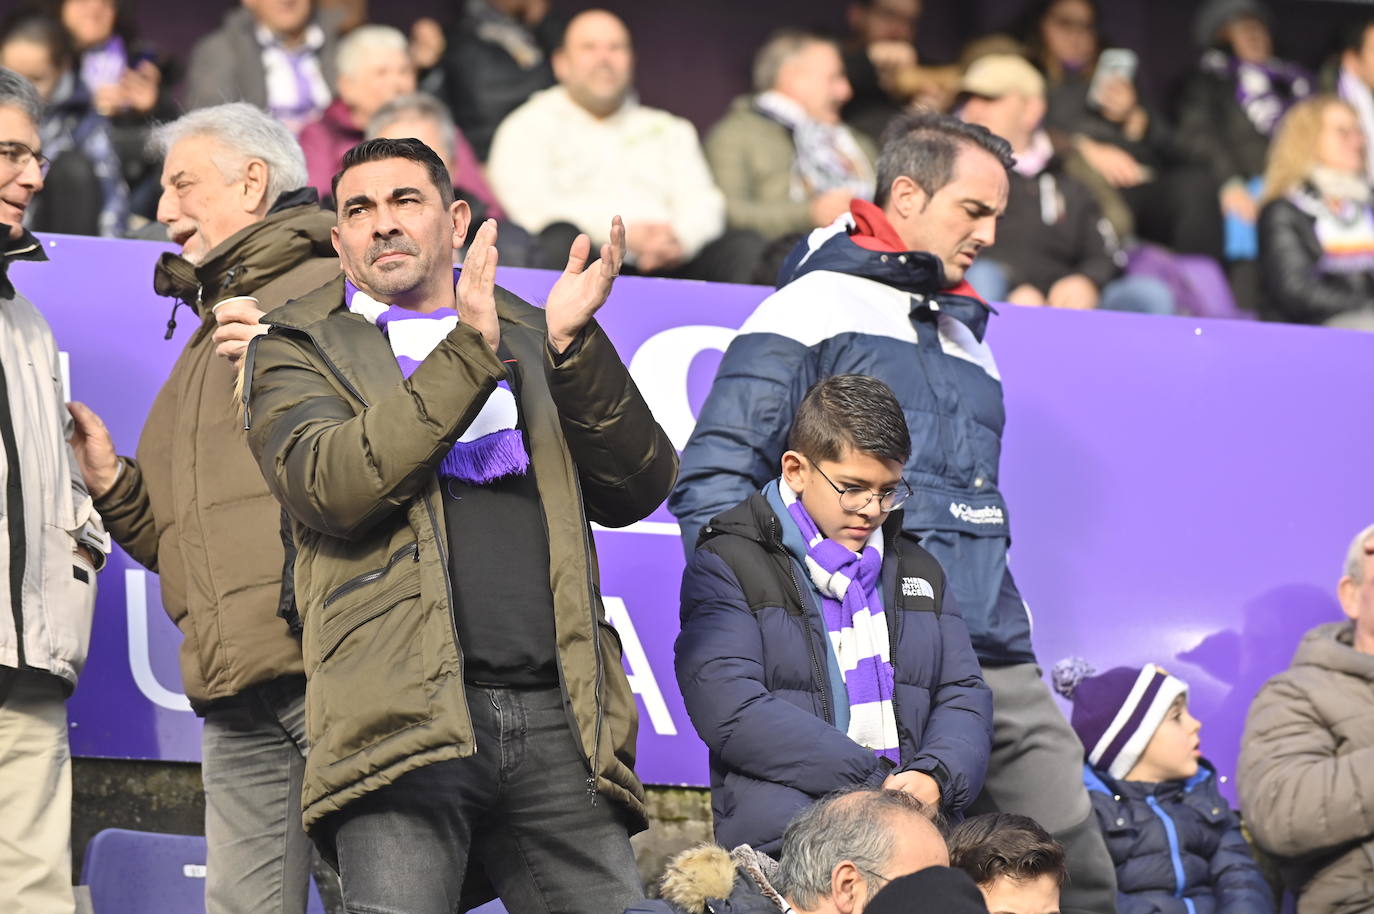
(917, 587)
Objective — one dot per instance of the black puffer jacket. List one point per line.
(1294, 287)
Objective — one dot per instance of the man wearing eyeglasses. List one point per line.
(882, 292)
(51, 545)
(817, 652)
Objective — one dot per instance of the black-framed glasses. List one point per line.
(19, 155)
(855, 498)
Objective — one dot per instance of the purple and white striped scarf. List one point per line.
(492, 446)
(852, 608)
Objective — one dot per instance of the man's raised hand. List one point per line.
(476, 289)
(582, 290)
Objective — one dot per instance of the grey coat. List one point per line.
(1306, 773)
(226, 65)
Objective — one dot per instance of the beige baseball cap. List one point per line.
(996, 75)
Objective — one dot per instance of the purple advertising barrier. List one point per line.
(1162, 475)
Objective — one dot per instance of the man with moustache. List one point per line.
(193, 506)
(441, 453)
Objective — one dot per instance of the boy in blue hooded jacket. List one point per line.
(1176, 844)
(817, 651)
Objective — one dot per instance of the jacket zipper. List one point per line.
(1175, 856)
(893, 633)
(353, 584)
(594, 760)
(822, 681)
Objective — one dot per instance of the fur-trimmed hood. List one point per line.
(708, 879)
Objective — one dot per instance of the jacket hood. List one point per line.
(862, 243)
(295, 230)
(25, 247)
(707, 872)
(1331, 647)
(1098, 781)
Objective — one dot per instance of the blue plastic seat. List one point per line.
(137, 872)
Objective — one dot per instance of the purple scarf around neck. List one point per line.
(851, 606)
(492, 447)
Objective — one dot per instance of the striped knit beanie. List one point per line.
(1117, 712)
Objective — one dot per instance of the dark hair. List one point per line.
(1352, 36)
(1001, 844)
(850, 410)
(40, 28)
(924, 146)
(409, 148)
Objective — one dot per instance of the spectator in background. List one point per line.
(576, 154)
(497, 55)
(54, 546)
(1230, 108)
(783, 157)
(836, 855)
(426, 119)
(373, 64)
(84, 191)
(1353, 80)
(1053, 246)
(1018, 867)
(1172, 202)
(129, 83)
(1306, 772)
(1316, 230)
(1177, 845)
(276, 54)
(883, 69)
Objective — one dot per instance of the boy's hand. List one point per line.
(917, 783)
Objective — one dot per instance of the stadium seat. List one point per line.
(135, 872)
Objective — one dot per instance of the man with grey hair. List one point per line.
(836, 855)
(1306, 770)
(194, 507)
(783, 158)
(54, 544)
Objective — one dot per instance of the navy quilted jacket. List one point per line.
(844, 309)
(754, 682)
(1177, 847)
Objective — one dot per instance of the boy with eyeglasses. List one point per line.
(817, 651)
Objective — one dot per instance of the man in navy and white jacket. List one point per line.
(880, 292)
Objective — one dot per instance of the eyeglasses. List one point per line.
(19, 155)
(855, 498)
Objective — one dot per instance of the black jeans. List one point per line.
(519, 808)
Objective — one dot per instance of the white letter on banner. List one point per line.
(660, 368)
(140, 662)
(638, 672)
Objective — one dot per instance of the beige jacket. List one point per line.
(1306, 773)
(50, 629)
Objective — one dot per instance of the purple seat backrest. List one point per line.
(1198, 283)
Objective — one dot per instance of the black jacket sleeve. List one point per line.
(1293, 288)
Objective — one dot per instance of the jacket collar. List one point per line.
(25, 247)
(865, 244)
(295, 230)
(1097, 781)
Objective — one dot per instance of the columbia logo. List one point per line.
(917, 587)
(970, 515)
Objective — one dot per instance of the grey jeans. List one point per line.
(1036, 769)
(519, 808)
(258, 856)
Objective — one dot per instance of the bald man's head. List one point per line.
(596, 62)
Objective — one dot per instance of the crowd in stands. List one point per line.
(859, 665)
(1215, 204)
